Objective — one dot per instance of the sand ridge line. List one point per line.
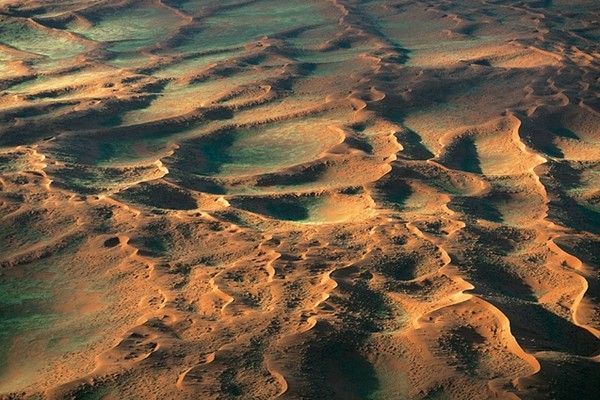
(580, 270)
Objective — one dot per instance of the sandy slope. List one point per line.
(265, 199)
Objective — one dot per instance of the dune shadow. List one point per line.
(160, 196)
(538, 329)
(462, 154)
(281, 208)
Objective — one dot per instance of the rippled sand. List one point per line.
(313, 199)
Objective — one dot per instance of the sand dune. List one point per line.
(321, 199)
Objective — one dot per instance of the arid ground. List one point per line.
(299, 199)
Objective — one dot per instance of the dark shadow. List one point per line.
(281, 208)
(159, 196)
(476, 207)
(413, 146)
(462, 154)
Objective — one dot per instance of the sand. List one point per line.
(321, 199)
